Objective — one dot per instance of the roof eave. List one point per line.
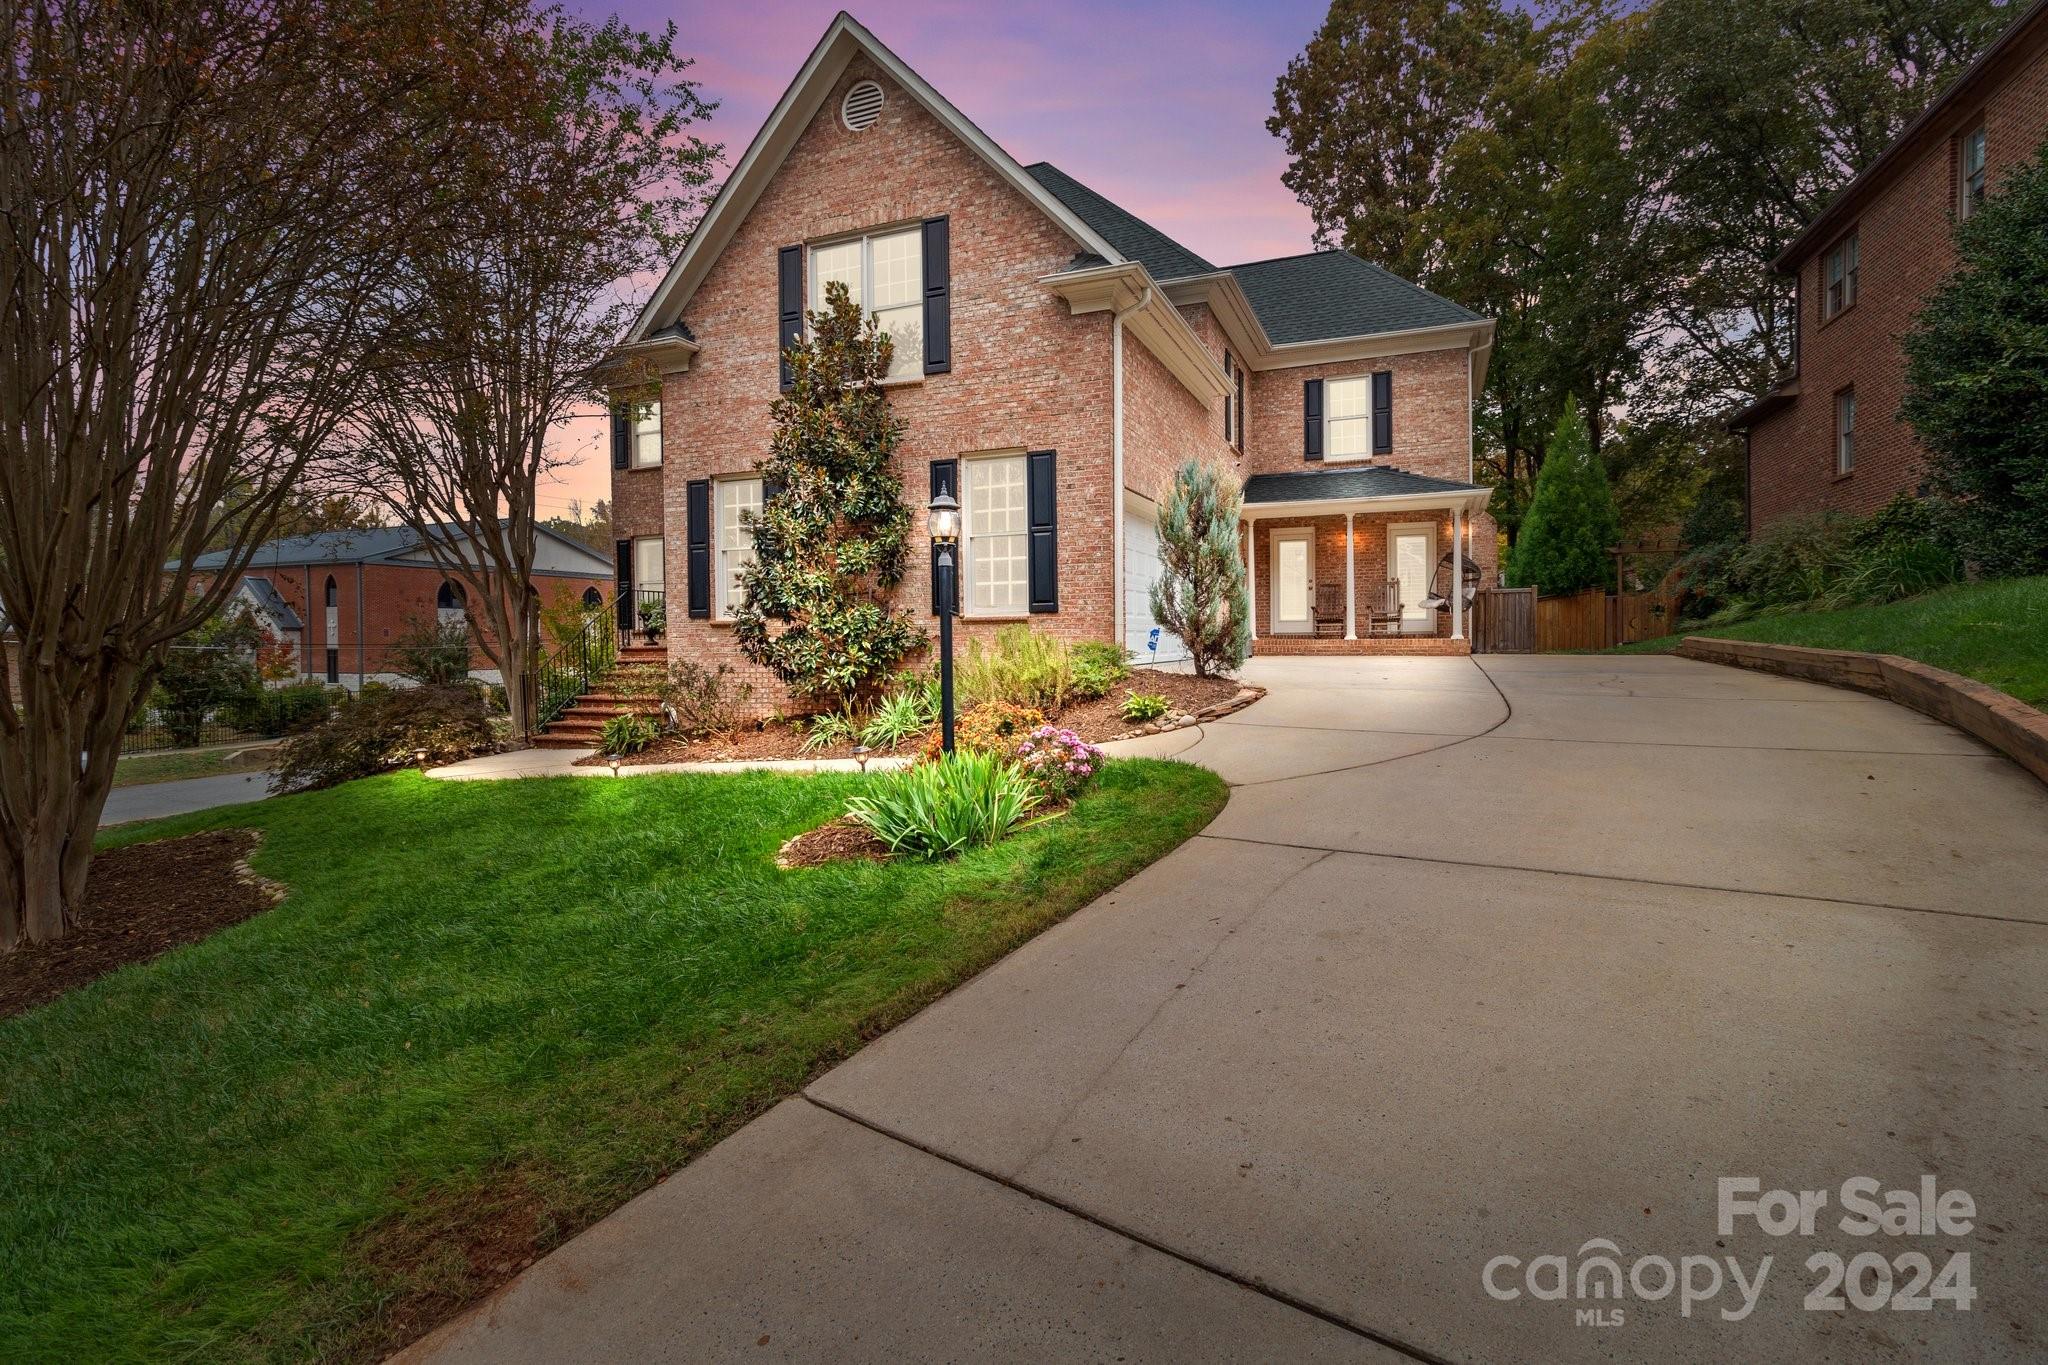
(1471, 500)
(1129, 289)
(1474, 334)
(844, 39)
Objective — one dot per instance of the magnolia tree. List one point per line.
(198, 206)
(1200, 593)
(831, 541)
(502, 328)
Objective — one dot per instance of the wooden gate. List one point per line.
(1504, 621)
(1575, 622)
(1639, 616)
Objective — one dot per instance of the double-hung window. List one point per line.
(1233, 401)
(646, 434)
(1970, 172)
(1347, 418)
(737, 498)
(1845, 432)
(1839, 276)
(883, 274)
(996, 548)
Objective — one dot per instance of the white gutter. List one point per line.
(1116, 459)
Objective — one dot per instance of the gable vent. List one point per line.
(861, 107)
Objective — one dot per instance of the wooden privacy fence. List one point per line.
(1575, 622)
(1504, 621)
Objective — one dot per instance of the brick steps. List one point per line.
(1417, 645)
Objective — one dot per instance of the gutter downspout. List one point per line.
(1116, 460)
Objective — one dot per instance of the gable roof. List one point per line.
(1133, 236)
(844, 40)
(1324, 295)
(377, 544)
(271, 603)
(1836, 212)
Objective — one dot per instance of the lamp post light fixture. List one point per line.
(945, 528)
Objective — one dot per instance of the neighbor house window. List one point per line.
(1845, 431)
(1840, 277)
(735, 538)
(884, 274)
(996, 535)
(1347, 418)
(1970, 172)
(646, 435)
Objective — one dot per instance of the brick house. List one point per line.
(1056, 360)
(340, 598)
(1829, 437)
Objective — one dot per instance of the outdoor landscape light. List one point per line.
(419, 756)
(860, 756)
(613, 759)
(945, 525)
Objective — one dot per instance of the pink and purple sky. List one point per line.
(1160, 106)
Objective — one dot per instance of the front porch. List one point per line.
(1362, 561)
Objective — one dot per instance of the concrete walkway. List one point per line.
(1479, 962)
(154, 800)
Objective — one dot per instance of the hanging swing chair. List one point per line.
(1440, 583)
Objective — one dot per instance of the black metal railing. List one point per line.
(269, 714)
(642, 614)
(575, 665)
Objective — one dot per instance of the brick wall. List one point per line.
(1164, 424)
(1432, 414)
(1905, 248)
(1370, 548)
(1026, 374)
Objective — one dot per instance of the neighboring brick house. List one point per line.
(1829, 437)
(1056, 360)
(340, 598)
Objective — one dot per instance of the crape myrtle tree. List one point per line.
(1200, 593)
(1571, 525)
(831, 540)
(500, 329)
(197, 202)
(1977, 381)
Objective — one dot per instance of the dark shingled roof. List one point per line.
(327, 547)
(1365, 481)
(1329, 294)
(273, 604)
(1135, 238)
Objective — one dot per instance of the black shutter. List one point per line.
(945, 479)
(1383, 412)
(622, 436)
(697, 510)
(938, 296)
(1042, 515)
(625, 599)
(771, 489)
(1312, 419)
(1229, 369)
(1238, 440)
(789, 304)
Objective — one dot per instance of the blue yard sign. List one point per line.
(1152, 643)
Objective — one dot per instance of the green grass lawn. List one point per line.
(140, 769)
(487, 1014)
(1994, 632)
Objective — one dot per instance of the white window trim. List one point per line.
(814, 289)
(1845, 400)
(1329, 436)
(720, 611)
(633, 460)
(1964, 207)
(1849, 251)
(965, 573)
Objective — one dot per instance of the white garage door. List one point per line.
(1141, 566)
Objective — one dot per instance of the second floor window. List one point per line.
(1347, 419)
(1839, 276)
(884, 274)
(1845, 431)
(1970, 172)
(995, 550)
(646, 435)
(736, 498)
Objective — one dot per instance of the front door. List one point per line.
(1294, 587)
(1411, 555)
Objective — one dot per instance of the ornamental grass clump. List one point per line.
(943, 809)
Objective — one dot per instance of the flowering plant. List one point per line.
(1058, 762)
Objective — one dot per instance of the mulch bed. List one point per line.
(840, 840)
(141, 902)
(1095, 721)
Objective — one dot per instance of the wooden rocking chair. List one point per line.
(1329, 610)
(1385, 616)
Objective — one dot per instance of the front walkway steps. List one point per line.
(580, 725)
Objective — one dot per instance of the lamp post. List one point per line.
(945, 528)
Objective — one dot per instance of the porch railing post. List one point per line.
(1350, 576)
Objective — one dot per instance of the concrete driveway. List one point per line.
(1479, 963)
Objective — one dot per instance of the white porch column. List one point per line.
(1251, 571)
(1457, 573)
(1350, 577)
